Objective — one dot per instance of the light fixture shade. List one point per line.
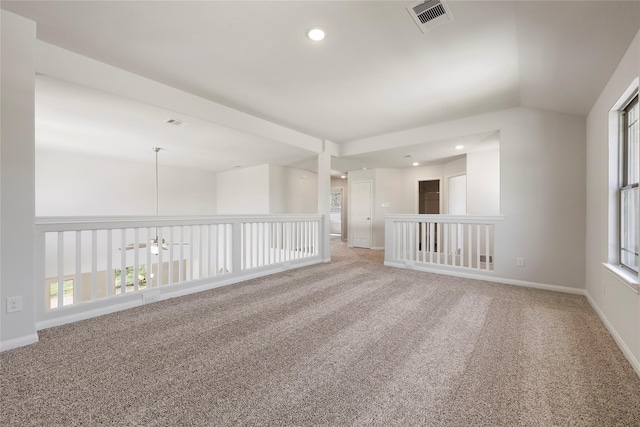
(153, 248)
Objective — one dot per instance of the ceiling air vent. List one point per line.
(430, 14)
(176, 122)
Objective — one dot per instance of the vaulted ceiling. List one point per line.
(374, 73)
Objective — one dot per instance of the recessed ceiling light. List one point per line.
(416, 164)
(316, 34)
(459, 147)
(364, 169)
(343, 176)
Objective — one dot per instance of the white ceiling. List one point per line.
(375, 73)
(75, 118)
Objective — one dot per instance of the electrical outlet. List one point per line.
(14, 304)
(520, 262)
(149, 297)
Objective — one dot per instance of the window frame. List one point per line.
(624, 185)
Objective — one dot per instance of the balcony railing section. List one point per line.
(437, 241)
(89, 262)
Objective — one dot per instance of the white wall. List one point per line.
(267, 189)
(72, 184)
(17, 170)
(483, 183)
(388, 183)
(617, 303)
(277, 189)
(244, 191)
(542, 190)
(300, 191)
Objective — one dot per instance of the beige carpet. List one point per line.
(349, 343)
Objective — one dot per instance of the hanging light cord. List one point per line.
(156, 149)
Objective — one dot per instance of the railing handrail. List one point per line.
(446, 218)
(75, 223)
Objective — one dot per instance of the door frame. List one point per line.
(416, 189)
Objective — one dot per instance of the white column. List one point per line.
(17, 179)
(324, 196)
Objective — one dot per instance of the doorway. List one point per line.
(429, 197)
(335, 213)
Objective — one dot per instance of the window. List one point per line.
(67, 293)
(629, 168)
(129, 280)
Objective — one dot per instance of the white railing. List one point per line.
(440, 241)
(89, 266)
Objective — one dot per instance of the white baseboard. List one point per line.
(635, 363)
(490, 278)
(77, 315)
(18, 342)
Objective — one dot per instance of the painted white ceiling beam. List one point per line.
(66, 65)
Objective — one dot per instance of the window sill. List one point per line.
(626, 277)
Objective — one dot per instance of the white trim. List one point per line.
(446, 218)
(18, 342)
(635, 363)
(489, 278)
(623, 276)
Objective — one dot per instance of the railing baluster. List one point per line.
(488, 254)
(149, 275)
(136, 259)
(447, 242)
(209, 253)
(200, 255)
(94, 265)
(123, 261)
(463, 227)
(225, 249)
(181, 272)
(110, 280)
(77, 286)
(470, 232)
(60, 269)
(171, 244)
(191, 245)
(478, 246)
(160, 264)
(215, 250)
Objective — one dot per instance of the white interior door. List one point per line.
(361, 214)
